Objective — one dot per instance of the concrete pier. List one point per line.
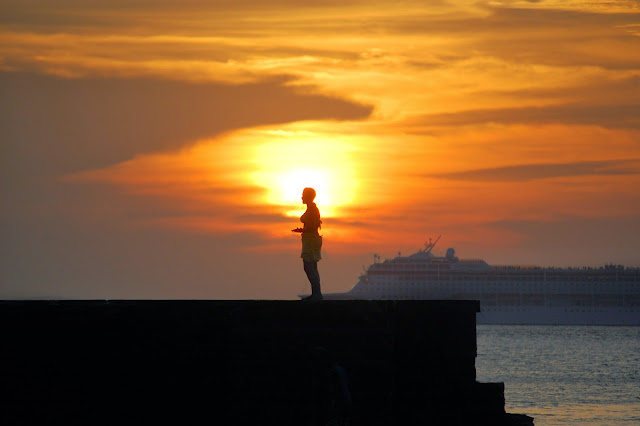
(243, 362)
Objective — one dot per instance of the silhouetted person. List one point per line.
(311, 242)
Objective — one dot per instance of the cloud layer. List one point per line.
(525, 172)
(67, 125)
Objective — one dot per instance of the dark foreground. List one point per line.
(245, 362)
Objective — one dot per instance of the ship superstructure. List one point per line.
(508, 294)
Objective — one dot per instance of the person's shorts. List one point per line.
(311, 247)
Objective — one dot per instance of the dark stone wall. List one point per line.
(242, 362)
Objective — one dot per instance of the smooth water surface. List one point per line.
(564, 375)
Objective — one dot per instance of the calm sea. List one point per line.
(564, 375)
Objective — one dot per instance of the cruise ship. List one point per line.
(608, 295)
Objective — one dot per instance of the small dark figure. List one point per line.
(311, 243)
(331, 394)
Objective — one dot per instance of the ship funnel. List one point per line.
(451, 254)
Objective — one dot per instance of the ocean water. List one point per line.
(564, 375)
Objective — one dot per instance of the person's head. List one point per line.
(308, 195)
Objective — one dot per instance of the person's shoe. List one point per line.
(312, 298)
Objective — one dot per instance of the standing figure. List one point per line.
(311, 242)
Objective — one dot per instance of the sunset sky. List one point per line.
(158, 149)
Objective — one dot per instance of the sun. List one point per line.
(289, 162)
(316, 179)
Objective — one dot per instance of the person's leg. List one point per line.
(311, 269)
(316, 278)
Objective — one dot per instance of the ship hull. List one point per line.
(541, 315)
(559, 316)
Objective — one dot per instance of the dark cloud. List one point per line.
(523, 20)
(608, 116)
(535, 35)
(263, 218)
(136, 4)
(77, 14)
(525, 172)
(368, 218)
(60, 125)
(605, 103)
(512, 19)
(622, 91)
(561, 38)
